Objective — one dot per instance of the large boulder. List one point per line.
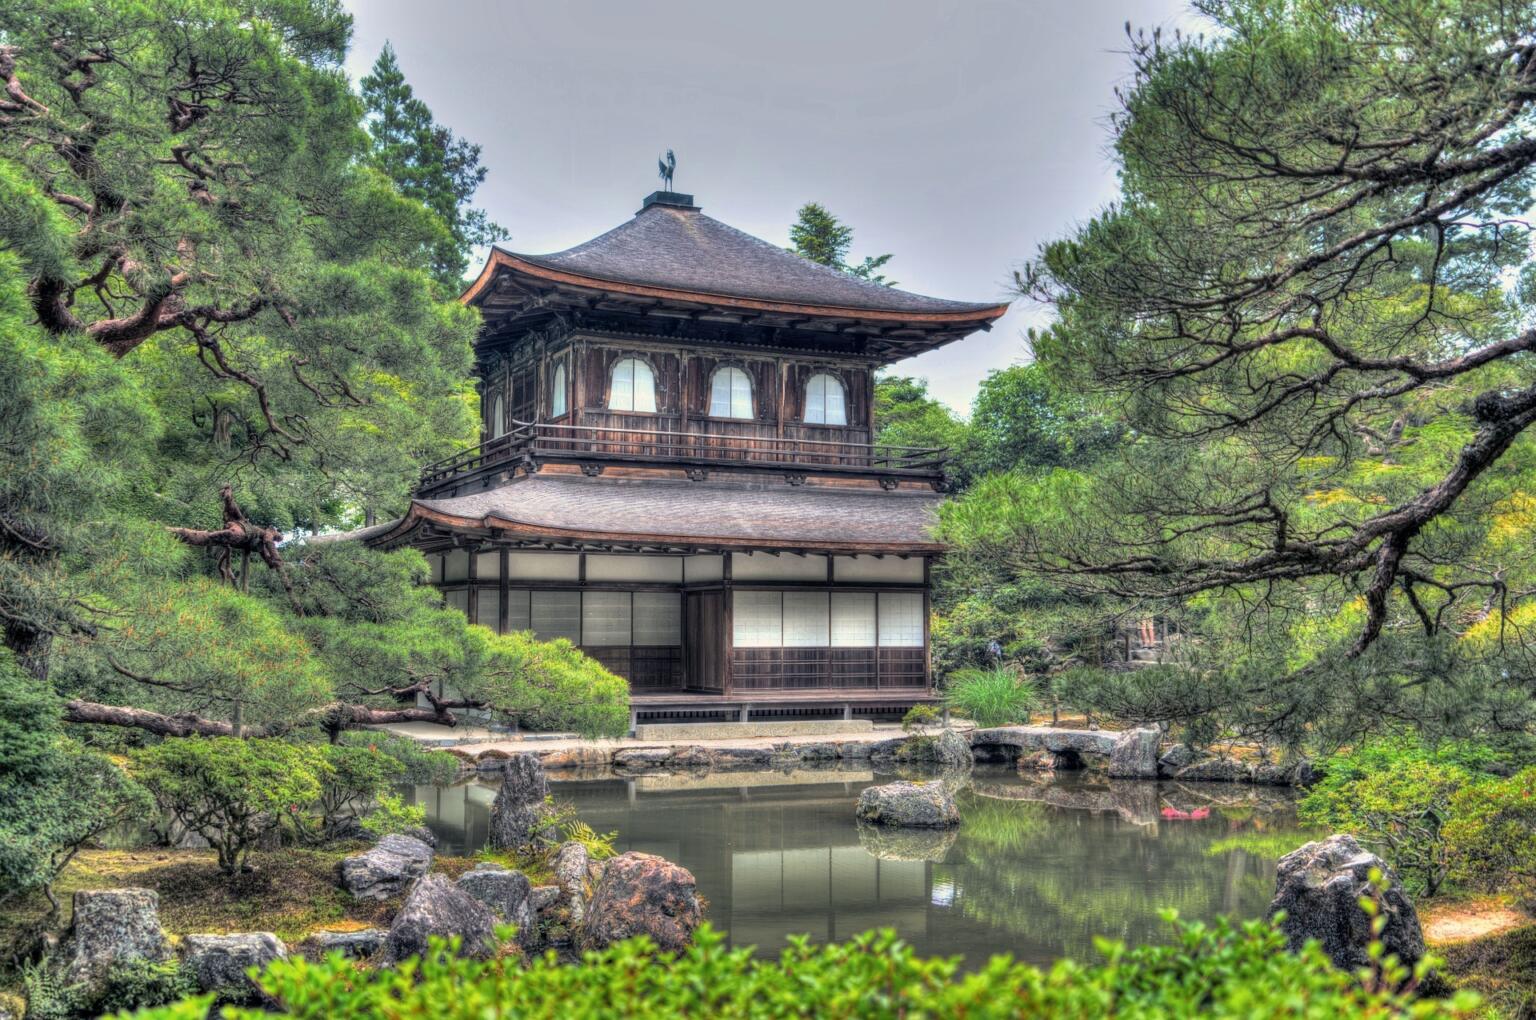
(583, 756)
(1319, 888)
(520, 803)
(921, 805)
(642, 894)
(1216, 770)
(1134, 754)
(727, 758)
(1180, 756)
(355, 945)
(438, 907)
(111, 926)
(384, 870)
(506, 893)
(218, 963)
(949, 750)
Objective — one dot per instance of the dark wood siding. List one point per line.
(704, 632)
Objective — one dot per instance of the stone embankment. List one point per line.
(1118, 754)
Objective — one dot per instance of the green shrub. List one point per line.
(419, 765)
(353, 781)
(549, 685)
(1208, 971)
(57, 795)
(48, 997)
(599, 845)
(388, 813)
(1395, 797)
(141, 984)
(231, 791)
(991, 697)
(1491, 836)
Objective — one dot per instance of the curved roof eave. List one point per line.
(418, 514)
(499, 259)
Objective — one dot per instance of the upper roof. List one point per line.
(670, 250)
(667, 512)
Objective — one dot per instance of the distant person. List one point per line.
(995, 652)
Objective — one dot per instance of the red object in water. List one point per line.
(1173, 814)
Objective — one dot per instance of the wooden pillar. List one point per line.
(927, 637)
(783, 393)
(727, 627)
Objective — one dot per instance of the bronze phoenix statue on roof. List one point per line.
(665, 168)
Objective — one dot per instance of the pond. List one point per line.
(1038, 867)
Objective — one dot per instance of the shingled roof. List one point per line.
(652, 511)
(671, 249)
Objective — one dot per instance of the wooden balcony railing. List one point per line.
(532, 442)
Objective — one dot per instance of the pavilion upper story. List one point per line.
(675, 338)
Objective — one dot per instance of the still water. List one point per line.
(1037, 868)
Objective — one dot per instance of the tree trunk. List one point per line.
(338, 716)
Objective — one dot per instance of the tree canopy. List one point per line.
(1309, 309)
(821, 237)
(429, 163)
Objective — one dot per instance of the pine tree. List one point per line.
(821, 237)
(429, 163)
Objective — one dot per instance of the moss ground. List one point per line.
(1501, 968)
(291, 892)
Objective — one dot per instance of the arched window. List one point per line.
(825, 402)
(634, 386)
(557, 392)
(730, 394)
(498, 417)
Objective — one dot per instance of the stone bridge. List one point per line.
(1126, 754)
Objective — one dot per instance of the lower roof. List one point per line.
(649, 512)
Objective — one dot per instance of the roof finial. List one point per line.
(664, 169)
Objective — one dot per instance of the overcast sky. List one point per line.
(959, 136)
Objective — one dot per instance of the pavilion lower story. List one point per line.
(760, 632)
(715, 599)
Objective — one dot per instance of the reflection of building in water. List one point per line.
(770, 859)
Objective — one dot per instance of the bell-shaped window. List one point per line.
(633, 387)
(825, 401)
(557, 392)
(730, 394)
(498, 417)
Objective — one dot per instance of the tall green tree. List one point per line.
(1021, 418)
(220, 292)
(1311, 305)
(429, 163)
(906, 414)
(220, 326)
(821, 237)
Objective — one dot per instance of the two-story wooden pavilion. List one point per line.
(679, 472)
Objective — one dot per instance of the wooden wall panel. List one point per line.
(704, 637)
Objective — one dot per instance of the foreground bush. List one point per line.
(1209, 971)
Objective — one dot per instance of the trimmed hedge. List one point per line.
(1208, 971)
